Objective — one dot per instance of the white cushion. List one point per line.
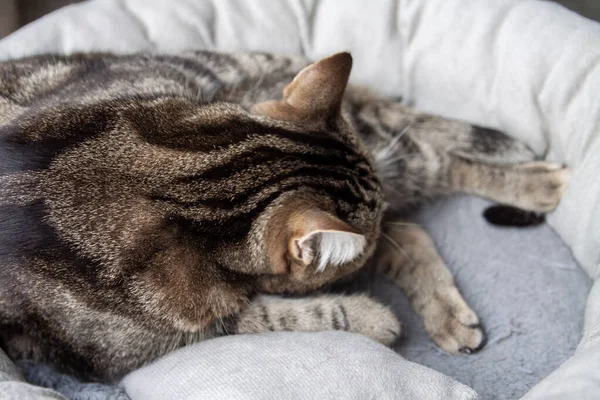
(290, 365)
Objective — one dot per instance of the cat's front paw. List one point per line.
(452, 324)
(543, 186)
(370, 318)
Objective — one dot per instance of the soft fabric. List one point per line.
(14, 387)
(290, 365)
(527, 67)
(578, 377)
(68, 386)
(522, 282)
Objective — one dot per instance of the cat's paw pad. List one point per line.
(544, 186)
(370, 318)
(453, 326)
(458, 338)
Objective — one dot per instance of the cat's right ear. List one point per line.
(314, 95)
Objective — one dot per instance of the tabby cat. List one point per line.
(148, 201)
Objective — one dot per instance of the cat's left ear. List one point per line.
(308, 236)
(315, 94)
(321, 238)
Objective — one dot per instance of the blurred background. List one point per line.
(16, 13)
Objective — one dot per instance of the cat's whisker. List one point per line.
(396, 246)
(259, 81)
(405, 129)
(395, 159)
(395, 141)
(179, 342)
(401, 228)
(401, 223)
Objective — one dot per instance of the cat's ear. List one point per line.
(322, 239)
(315, 94)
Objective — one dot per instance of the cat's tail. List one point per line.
(502, 215)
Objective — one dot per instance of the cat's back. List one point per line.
(49, 106)
(83, 79)
(66, 186)
(47, 82)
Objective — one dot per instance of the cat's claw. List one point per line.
(457, 338)
(452, 324)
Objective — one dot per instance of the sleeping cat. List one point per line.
(147, 202)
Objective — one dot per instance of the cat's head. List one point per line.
(291, 195)
(327, 225)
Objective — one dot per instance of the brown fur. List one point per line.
(148, 201)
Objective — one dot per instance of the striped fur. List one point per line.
(147, 201)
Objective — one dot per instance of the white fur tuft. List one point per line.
(337, 248)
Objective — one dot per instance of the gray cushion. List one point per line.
(14, 387)
(523, 283)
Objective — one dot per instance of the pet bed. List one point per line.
(530, 68)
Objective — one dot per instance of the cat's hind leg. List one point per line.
(356, 313)
(408, 256)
